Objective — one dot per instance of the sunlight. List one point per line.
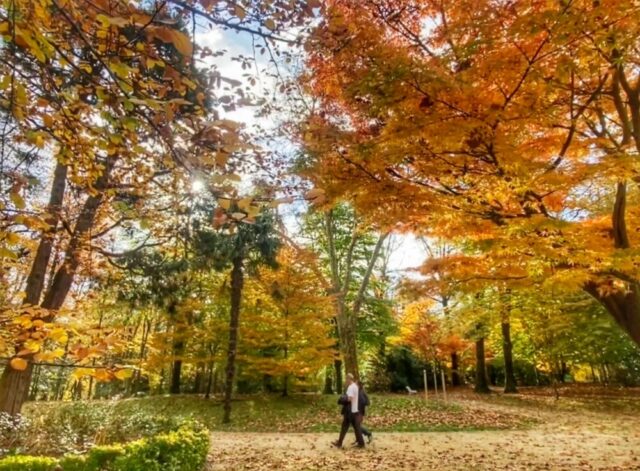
(197, 186)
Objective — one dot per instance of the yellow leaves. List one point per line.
(123, 374)
(103, 374)
(17, 200)
(270, 24)
(153, 62)
(19, 364)
(244, 203)
(111, 20)
(25, 39)
(6, 253)
(5, 82)
(59, 335)
(21, 96)
(12, 238)
(4, 27)
(49, 356)
(181, 41)
(48, 120)
(86, 67)
(30, 346)
(316, 196)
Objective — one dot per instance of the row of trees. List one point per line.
(509, 130)
(130, 246)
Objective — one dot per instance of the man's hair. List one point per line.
(350, 376)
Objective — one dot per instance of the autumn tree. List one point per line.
(241, 242)
(493, 122)
(111, 91)
(350, 250)
(290, 319)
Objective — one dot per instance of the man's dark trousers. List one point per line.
(354, 419)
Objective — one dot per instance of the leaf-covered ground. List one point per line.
(586, 429)
(531, 431)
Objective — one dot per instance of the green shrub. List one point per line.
(28, 463)
(101, 456)
(75, 463)
(182, 450)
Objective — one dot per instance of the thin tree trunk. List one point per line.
(337, 364)
(237, 280)
(207, 393)
(507, 348)
(481, 385)
(328, 386)
(33, 394)
(455, 374)
(176, 368)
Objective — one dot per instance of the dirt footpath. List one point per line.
(543, 448)
(566, 437)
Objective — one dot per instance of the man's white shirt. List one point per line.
(352, 392)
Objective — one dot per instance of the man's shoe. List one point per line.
(336, 444)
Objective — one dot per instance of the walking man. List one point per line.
(351, 414)
(363, 403)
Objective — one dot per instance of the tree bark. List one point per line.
(176, 369)
(207, 393)
(63, 279)
(328, 384)
(622, 304)
(15, 384)
(455, 374)
(237, 280)
(507, 348)
(337, 364)
(481, 385)
(347, 319)
(12, 390)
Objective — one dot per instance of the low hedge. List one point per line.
(182, 450)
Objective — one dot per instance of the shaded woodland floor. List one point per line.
(586, 429)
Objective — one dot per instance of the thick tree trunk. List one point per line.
(63, 279)
(237, 280)
(35, 280)
(455, 374)
(14, 388)
(347, 319)
(622, 304)
(15, 384)
(507, 349)
(481, 385)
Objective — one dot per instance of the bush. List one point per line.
(13, 429)
(182, 450)
(28, 463)
(75, 428)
